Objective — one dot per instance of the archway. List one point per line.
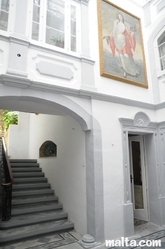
(26, 100)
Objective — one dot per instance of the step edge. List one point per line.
(16, 224)
(36, 233)
(32, 202)
(32, 192)
(19, 211)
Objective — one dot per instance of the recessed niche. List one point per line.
(48, 149)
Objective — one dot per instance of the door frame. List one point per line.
(141, 214)
(140, 124)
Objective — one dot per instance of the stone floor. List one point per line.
(72, 240)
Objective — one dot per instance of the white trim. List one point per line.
(11, 22)
(139, 213)
(42, 27)
(160, 72)
(26, 83)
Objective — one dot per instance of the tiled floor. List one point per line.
(149, 231)
(62, 240)
(72, 240)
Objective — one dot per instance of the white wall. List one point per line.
(107, 85)
(39, 62)
(108, 115)
(67, 172)
(18, 138)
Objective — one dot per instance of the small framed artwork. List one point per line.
(121, 45)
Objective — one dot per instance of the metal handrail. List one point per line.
(6, 184)
(8, 165)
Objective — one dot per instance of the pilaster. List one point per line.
(18, 42)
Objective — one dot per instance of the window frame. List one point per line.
(161, 56)
(160, 72)
(10, 25)
(42, 27)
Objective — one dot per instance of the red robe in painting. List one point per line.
(123, 43)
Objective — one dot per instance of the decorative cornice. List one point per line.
(19, 40)
(14, 81)
(38, 47)
(160, 106)
(141, 119)
(87, 60)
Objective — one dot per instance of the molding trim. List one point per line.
(20, 40)
(87, 60)
(141, 119)
(55, 70)
(14, 81)
(80, 58)
(140, 125)
(16, 72)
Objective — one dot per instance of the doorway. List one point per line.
(138, 177)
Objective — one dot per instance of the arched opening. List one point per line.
(72, 121)
(48, 149)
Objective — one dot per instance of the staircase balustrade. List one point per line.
(6, 181)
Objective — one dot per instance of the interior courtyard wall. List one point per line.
(160, 114)
(40, 61)
(108, 85)
(108, 114)
(154, 26)
(18, 137)
(67, 171)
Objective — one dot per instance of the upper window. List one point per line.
(161, 48)
(56, 23)
(4, 14)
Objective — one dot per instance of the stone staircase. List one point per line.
(35, 209)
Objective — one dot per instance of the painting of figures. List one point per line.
(121, 45)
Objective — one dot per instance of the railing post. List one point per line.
(6, 181)
(6, 203)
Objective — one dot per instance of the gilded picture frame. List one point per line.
(121, 45)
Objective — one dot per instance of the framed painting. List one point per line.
(121, 45)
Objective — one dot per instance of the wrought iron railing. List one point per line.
(6, 181)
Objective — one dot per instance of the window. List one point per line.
(4, 14)
(56, 23)
(73, 28)
(36, 20)
(161, 48)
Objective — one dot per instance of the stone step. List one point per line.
(26, 169)
(29, 180)
(20, 165)
(33, 208)
(29, 174)
(28, 186)
(32, 192)
(11, 235)
(26, 200)
(23, 161)
(34, 218)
